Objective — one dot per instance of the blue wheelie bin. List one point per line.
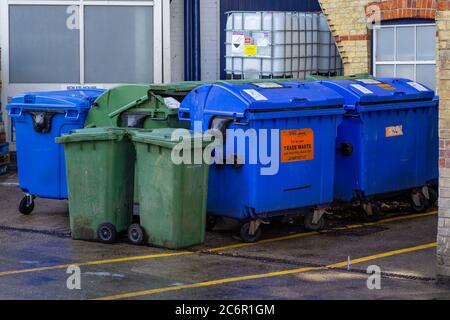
(387, 143)
(300, 120)
(40, 117)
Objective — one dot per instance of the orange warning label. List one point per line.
(394, 131)
(297, 145)
(386, 86)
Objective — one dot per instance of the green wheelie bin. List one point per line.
(100, 175)
(172, 195)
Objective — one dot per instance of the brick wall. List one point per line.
(348, 21)
(443, 27)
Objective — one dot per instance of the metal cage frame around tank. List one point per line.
(332, 47)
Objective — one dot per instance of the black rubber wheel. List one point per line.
(246, 236)
(136, 234)
(107, 233)
(434, 197)
(424, 204)
(309, 225)
(24, 208)
(211, 222)
(374, 217)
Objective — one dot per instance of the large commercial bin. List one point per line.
(387, 142)
(172, 195)
(138, 106)
(100, 174)
(300, 122)
(40, 117)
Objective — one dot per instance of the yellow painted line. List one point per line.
(308, 234)
(266, 275)
(95, 262)
(233, 246)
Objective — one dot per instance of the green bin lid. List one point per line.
(163, 137)
(92, 134)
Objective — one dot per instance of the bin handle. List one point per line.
(298, 100)
(128, 106)
(72, 114)
(14, 114)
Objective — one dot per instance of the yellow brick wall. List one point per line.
(443, 78)
(347, 20)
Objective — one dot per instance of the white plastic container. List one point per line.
(273, 44)
(329, 57)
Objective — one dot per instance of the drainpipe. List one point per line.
(192, 57)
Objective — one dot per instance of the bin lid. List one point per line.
(109, 107)
(379, 90)
(235, 100)
(170, 137)
(56, 100)
(92, 134)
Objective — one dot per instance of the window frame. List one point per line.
(161, 47)
(396, 62)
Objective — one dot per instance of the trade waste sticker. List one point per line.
(394, 131)
(297, 145)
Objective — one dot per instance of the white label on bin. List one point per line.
(418, 86)
(268, 85)
(362, 89)
(368, 81)
(255, 95)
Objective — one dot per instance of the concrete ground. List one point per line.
(289, 263)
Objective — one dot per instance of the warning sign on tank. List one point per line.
(297, 145)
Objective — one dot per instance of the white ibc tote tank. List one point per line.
(272, 44)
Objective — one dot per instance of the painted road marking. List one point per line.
(308, 234)
(267, 275)
(233, 246)
(96, 262)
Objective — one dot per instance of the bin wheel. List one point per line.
(422, 204)
(26, 207)
(107, 233)
(373, 215)
(210, 222)
(309, 224)
(136, 234)
(245, 233)
(434, 197)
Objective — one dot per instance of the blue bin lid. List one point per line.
(380, 90)
(235, 100)
(55, 100)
